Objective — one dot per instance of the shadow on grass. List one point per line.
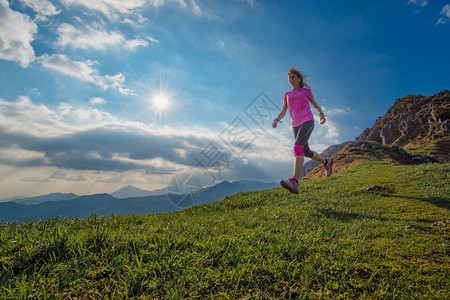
(438, 201)
(348, 217)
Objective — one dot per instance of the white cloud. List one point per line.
(421, 3)
(196, 8)
(110, 8)
(39, 122)
(84, 71)
(91, 38)
(43, 8)
(23, 116)
(113, 9)
(445, 13)
(95, 38)
(318, 147)
(331, 112)
(116, 82)
(332, 132)
(97, 100)
(328, 132)
(133, 44)
(79, 115)
(17, 31)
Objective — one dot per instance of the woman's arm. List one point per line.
(281, 115)
(318, 110)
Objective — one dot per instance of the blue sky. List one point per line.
(79, 79)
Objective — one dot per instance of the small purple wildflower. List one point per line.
(41, 247)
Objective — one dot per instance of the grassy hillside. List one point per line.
(332, 240)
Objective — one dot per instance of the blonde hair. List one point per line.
(297, 73)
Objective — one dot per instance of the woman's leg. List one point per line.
(298, 166)
(318, 158)
(302, 134)
(327, 163)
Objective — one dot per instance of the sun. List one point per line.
(160, 102)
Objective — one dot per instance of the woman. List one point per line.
(297, 101)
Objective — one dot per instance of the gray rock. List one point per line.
(371, 188)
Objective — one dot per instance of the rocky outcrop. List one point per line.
(363, 149)
(419, 124)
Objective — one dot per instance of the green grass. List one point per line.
(333, 240)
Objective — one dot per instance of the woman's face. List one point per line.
(293, 80)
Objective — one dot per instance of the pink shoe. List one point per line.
(291, 184)
(327, 166)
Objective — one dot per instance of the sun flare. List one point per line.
(160, 102)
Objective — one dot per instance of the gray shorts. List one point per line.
(302, 134)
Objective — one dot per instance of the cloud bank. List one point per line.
(89, 139)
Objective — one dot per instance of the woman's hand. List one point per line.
(322, 119)
(274, 124)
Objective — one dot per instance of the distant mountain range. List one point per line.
(128, 200)
(53, 197)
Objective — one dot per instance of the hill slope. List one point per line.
(333, 240)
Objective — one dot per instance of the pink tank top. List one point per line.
(298, 104)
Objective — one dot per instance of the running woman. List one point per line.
(297, 101)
